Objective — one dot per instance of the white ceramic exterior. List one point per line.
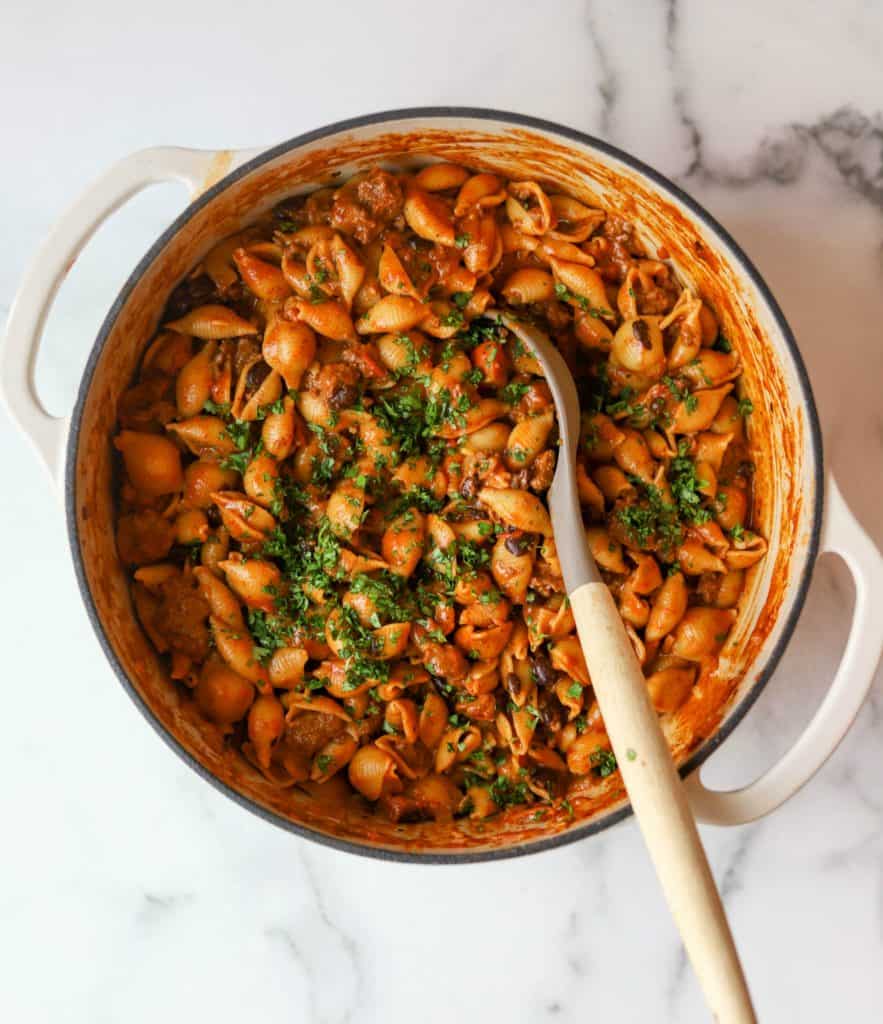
(840, 532)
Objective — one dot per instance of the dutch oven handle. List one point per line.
(842, 535)
(197, 169)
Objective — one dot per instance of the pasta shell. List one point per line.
(429, 216)
(260, 479)
(249, 401)
(205, 436)
(485, 411)
(456, 745)
(575, 220)
(517, 508)
(330, 318)
(481, 190)
(746, 551)
(484, 244)
(294, 268)
(223, 695)
(592, 332)
(266, 722)
(605, 550)
(193, 385)
(212, 322)
(222, 604)
(262, 279)
(527, 439)
(685, 318)
(281, 431)
(236, 647)
(245, 520)
(391, 640)
(637, 346)
(335, 755)
(440, 177)
(254, 580)
(286, 667)
(550, 247)
(589, 493)
(711, 368)
(669, 687)
(513, 241)
(345, 508)
(374, 772)
(702, 632)
(392, 275)
(566, 656)
(393, 313)
(483, 644)
(289, 348)
(218, 262)
(153, 463)
(583, 752)
(528, 208)
(528, 284)
(433, 720)
(403, 542)
(633, 456)
(698, 414)
(191, 526)
(668, 607)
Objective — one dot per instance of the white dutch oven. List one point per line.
(797, 507)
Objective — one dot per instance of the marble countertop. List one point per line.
(129, 889)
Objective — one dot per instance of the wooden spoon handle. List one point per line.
(660, 803)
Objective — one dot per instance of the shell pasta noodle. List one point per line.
(333, 469)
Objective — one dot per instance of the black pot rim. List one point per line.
(424, 114)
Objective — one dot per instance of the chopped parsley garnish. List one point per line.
(745, 407)
(651, 519)
(412, 420)
(269, 633)
(566, 295)
(682, 394)
(414, 497)
(685, 488)
(237, 461)
(389, 594)
(452, 319)
(273, 409)
(239, 433)
(461, 241)
(472, 555)
(324, 464)
(506, 793)
(513, 392)
(603, 762)
(221, 409)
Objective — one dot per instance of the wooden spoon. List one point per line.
(654, 787)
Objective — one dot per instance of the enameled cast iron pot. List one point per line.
(796, 507)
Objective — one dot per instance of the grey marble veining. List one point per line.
(130, 890)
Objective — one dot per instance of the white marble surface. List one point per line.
(130, 890)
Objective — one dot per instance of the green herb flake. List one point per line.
(603, 762)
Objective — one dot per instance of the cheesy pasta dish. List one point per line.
(333, 465)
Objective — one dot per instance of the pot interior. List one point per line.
(783, 429)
